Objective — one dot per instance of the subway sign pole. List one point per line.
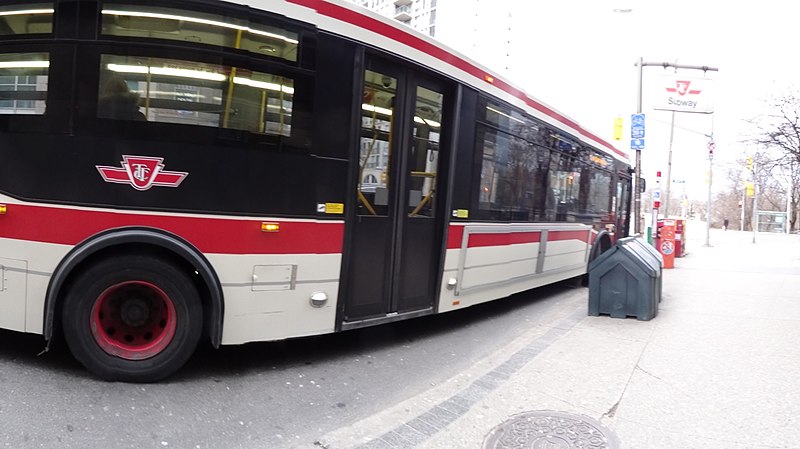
(637, 198)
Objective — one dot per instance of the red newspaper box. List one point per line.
(666, 242)
(680, 237)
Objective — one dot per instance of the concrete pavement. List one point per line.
(717, 368)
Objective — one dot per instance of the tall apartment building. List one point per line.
(481, 29)
(418, 14)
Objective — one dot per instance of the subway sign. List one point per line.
(685, 94)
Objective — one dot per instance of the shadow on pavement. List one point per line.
(26, 350)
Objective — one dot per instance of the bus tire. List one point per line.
(132, 318)
(601, 244)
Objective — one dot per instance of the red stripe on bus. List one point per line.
(209, 235)
(456, 235)
(376, 26)
(511, 238)
(568, 235)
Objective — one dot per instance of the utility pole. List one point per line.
(750, 176)
(710, 181)
(744, 205)
(637, 192)
(755, 201)
(669, 166)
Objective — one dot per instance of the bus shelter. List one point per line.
(771, 221)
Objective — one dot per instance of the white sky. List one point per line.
(578, 56)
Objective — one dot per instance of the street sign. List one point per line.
(637, 144)
(657, 192)
(637, 126)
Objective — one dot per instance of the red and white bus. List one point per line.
(229, 172)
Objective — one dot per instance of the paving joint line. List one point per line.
(472, 394)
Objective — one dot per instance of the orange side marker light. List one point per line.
(270, 227)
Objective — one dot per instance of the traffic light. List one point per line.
(750, 163)
(750, 189)
(618, 124)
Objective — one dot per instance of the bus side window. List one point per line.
(156, 22)
(26, 18)
(565, 181)
(23, 83)
(195, 93)
(117, 101)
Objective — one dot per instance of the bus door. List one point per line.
(622, 211)
(397, 235)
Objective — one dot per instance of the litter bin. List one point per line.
(626, 281)
(657, 260)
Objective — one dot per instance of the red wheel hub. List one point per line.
(133, 320)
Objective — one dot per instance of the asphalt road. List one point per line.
(262, 395)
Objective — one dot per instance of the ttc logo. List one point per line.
(141, 173)
(682, 88)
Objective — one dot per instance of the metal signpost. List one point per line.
(711, 146)
(656, 206)
(755, 201)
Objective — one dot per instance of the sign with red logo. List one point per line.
(682, 94)
(141, 172)
(682, 87)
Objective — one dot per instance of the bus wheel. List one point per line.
(132, 318)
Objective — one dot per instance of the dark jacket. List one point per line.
(120, 106)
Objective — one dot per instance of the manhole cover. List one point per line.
(550, 430)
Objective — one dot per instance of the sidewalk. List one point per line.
(717, 368)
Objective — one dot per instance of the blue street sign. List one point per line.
(637, 126)
(637, 144)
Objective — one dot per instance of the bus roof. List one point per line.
(347, 19)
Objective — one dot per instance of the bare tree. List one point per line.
(778, 159)
(780, 130)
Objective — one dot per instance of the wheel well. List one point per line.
(602, 243)
(212, 317)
